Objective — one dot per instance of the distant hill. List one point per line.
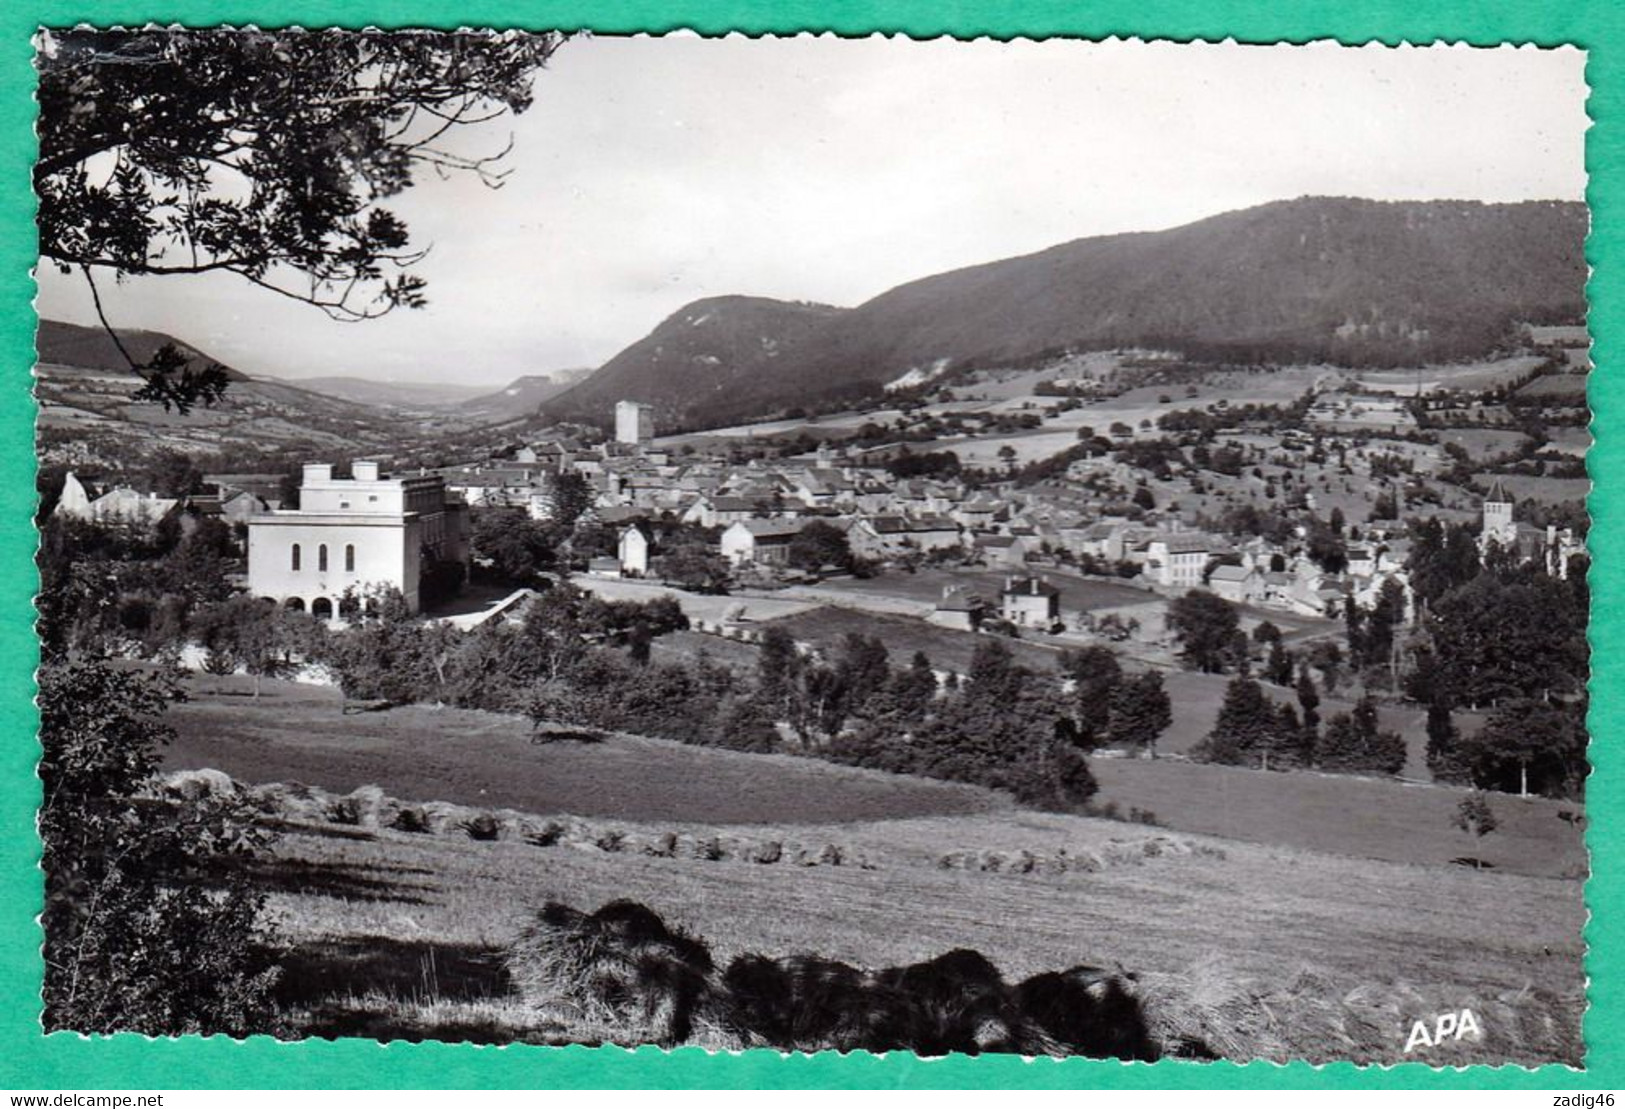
(397, 394)
(522, 396)
(1349, 281)
(711, 357)
(88, 415)
(92, 348)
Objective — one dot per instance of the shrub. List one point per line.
(145, 929)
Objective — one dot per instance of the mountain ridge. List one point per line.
(1339, 279)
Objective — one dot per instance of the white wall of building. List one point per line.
(386, 553)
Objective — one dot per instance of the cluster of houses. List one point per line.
(373, 529)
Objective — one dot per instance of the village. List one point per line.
(370, 530)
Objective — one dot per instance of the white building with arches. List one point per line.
(353, 536)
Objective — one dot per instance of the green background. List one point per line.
(32, 1061)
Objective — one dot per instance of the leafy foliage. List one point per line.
(268, 155)
(149, 926)
(1206, 626)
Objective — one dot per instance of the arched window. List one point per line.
(321, 557)
(349, 557)
(296, 556)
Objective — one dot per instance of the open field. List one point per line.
(947, 648)
(1309, 930)
(1550, 490)
(1483, 444)
(1467, 376)
(696, 606)
(1557, 388)
(1336, 813)
(1574, 441)
(1260, 950)
(297, 733)
(417, 752)
(688, 646)
(926, 586)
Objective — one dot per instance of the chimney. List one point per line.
(364, 471)
(318, 471)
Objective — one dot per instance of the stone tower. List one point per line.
(1499, 527)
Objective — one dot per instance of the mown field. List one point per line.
(1279, 915)
(1258, 950)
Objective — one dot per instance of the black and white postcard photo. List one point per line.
(1045, 548)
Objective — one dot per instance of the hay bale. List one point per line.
(198, 785)
(1088, 1011)
(1214, 1007)
(664, 846)
(621, 967)
(363, 807)
(831, 855)
(411, 818)
(957, 1002)
(481, 826)
(707, 849)
(548, 835)
(767, 853)
(292, 801)
(444, 817)
(806, 1003)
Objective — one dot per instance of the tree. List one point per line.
(511, 546)
(818, 545)
(1140, 712)
(1355, 743)
(1495, 640)
(149, 926)
(268, 155)
(994, 677)
(1279, 667)
(1245, 727)
(1206, 626)
(1444, 742)
(1095, 674)
(1529, 745)
(572, 496)
(778, 666)
(1308, 699)
(257, 634)
(1475, 817)
(696, 566)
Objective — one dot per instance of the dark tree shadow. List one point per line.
(319, 977)
(352, 883)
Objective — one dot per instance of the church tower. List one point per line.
(1499, 527)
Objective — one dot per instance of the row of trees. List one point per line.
(1254, 730)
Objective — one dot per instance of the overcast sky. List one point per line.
(651, 172)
